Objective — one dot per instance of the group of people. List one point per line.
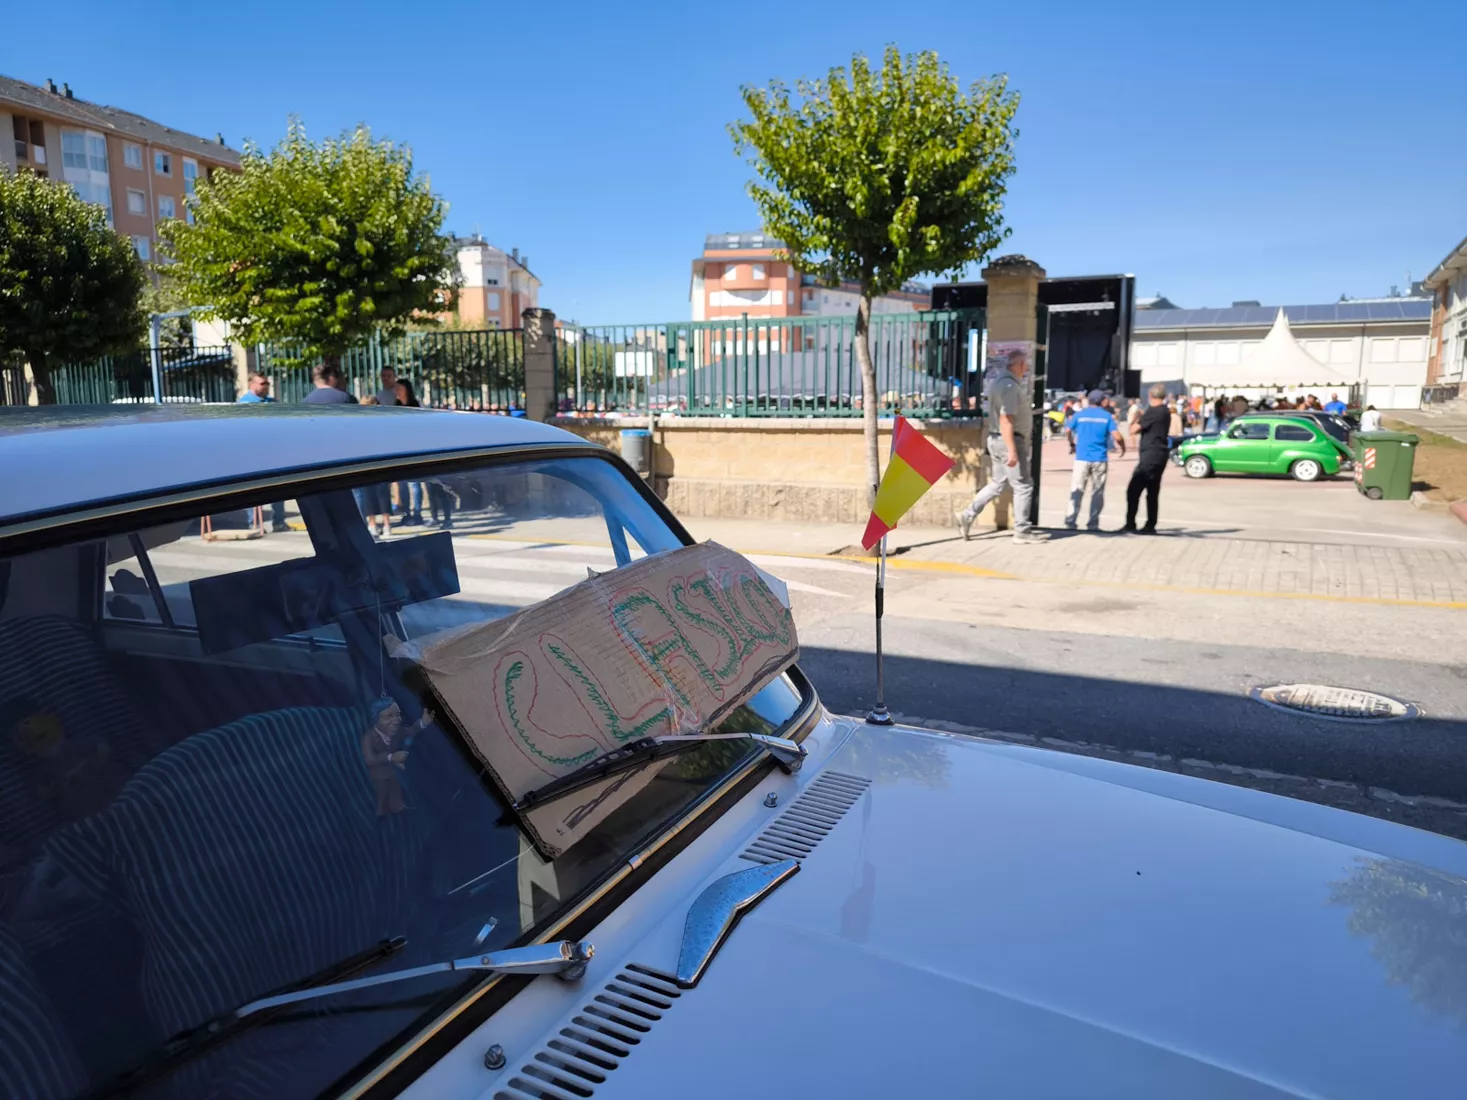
(1092, 427)
(375, 501)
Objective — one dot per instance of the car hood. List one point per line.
(994, 920)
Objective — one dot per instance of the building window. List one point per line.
(1383, 350)
(190, 175)
(132, 155)
(73, 149)
(731, 272)
(494, 300)
(96, 152)
(163, 163)
(165, 206)
(188, 213)
(758, 270)
(144, 248)
(1204, 354)
(789, 297)
(137, 202)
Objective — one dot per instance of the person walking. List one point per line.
(1011, 412)
(1151, 428)
(1175, 427)
(409, 493)
(1091, 431)
(330, 387)
(1370, 419)
(258, 393)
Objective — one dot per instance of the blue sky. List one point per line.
(1287, 152)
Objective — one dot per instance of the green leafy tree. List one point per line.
(878, 177)
(71, 289)
(316, 245)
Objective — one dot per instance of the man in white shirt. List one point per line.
(1370, 419)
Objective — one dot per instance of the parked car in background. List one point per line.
(258, 838)
(1266, 443)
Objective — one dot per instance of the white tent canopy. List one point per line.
(1276, 363)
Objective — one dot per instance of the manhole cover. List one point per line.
(1335, 703)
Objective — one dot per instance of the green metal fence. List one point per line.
(480, 370)
(191, 374)
(927, 364)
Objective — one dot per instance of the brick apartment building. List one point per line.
(737, 274)
(495, 286)
(1447, 365)
(141, 171)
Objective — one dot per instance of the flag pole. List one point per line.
(879, 715)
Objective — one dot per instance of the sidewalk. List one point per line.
(1183, 561)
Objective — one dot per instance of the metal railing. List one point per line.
(927, 364)
(481, 370)
(189, 374)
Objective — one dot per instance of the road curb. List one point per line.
(1458, 508)
(1421, 500)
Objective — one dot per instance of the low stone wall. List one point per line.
(801, 470)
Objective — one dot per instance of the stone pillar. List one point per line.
(1013, 306)
(539, 329)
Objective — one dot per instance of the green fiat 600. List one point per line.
(1265, 445)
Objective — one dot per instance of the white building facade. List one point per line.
(1379, 346)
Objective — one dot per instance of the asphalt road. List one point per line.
(1181, 699)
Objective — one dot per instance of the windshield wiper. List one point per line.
(634, 754)
(563, 958)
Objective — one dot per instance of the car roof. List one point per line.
(60, 458)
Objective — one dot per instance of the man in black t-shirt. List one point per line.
(1155, 448)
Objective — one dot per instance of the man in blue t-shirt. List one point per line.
(258, 393)
(1335, 405)
(1091, 431)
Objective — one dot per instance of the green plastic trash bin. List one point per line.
(1383, 464)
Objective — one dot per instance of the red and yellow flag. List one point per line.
(915, 466)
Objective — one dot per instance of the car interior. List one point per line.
(186, 817)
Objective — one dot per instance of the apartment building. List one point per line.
(495, 286)
(140, 171)
(1447, 284)
(738, 275)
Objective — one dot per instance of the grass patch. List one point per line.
(1441, 463)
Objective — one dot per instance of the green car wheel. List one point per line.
(1306, 469)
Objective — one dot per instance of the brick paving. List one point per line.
(1436, 575)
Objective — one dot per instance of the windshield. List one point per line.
(218, 783)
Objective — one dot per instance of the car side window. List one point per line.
(1249, 430)
(1295, 433)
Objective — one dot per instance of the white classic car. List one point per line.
(541, 807)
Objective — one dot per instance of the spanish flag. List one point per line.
(915, 466)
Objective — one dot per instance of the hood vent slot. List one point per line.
(596, 1041)
(809, 817)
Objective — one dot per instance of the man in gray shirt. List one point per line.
(330, 387)
(387, 395)
(1010, 419)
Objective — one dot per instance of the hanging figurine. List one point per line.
(384, 751)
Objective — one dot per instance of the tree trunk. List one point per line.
(868, 395)
(41, 378)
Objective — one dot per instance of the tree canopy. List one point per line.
(877, 177)
(71, 289)
(316, 245)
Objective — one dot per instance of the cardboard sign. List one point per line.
(670, 644)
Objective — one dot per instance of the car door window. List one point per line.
(1250, 430)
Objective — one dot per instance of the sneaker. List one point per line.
(280, 528)
(1031, 536)
(1093, 528)
(1070, 525)
(1149, 529)
(964, 522)
(1128, 529)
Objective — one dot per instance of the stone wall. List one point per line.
(801, 470)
